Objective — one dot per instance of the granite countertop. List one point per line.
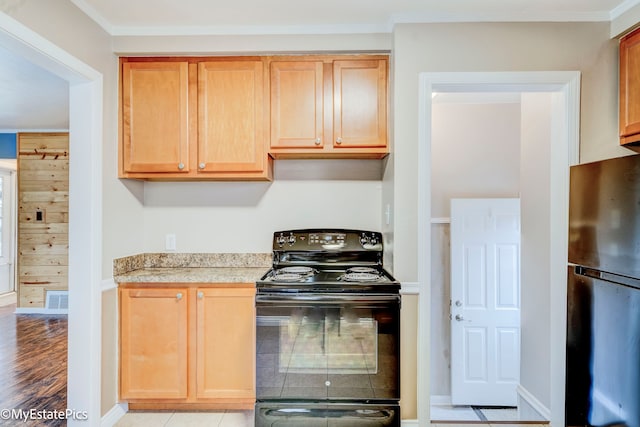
(191, 268)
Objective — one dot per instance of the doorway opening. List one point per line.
(556, 153)
(85, 209)
(7, 231)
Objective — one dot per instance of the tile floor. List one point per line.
(187, 419)
(467, 413)
(245, 419)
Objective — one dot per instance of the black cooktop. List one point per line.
(331, 260)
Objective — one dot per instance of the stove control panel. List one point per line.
(369, 239)
(331, 239)
(283, 239)
(334, 240)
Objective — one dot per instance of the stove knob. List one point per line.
(373, 240)
(280, 240)
(292, 239)
(364, 239)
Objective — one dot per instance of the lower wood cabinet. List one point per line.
(187, 346)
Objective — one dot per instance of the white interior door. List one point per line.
(6, 231)
(485, 301)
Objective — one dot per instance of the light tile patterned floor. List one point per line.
(236, 419)
(466, 413)
(187, 419)
(476, 424)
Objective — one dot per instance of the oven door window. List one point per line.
(327, 350)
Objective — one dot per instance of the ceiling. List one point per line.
(34, 99)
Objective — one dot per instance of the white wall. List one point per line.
(535, 248)
(241, 217)
(475, 149)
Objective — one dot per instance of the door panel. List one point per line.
(485, 301)
(7, 241)
(225, 343)
(153, 319)
(155, 110)
(231, 125)
(297, 104)
(359, 103)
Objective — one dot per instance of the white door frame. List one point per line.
(9, 215)
(85, 211)
(566, 82)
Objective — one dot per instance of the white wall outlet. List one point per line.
(170, 242)
(387, 214)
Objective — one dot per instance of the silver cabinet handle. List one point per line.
(339, 141)
(179, 296)
(458, 303)
(318, 141)
(200, 295)
(202, 165)
(459, 318)
(180, 166)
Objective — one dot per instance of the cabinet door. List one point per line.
(232, 123)
(360, 103)
(226, 343)
(155, 125)
(153, 343)
(296, 104)
(630, 88)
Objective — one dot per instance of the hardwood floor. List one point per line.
(33, 364)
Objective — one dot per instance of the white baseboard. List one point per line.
(41, 310)
(8, 299)
(410, 288)
(112, 417)
(108, 284)
(441, 400)
(532, 403)
(409, 423)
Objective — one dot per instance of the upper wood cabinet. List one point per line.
(231, 118)
(191, 118)
(360, 103)
(328, 106)
(297, 103)
(226, 118)
(155, 117)
(630, 88)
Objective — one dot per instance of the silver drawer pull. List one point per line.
(179, 296)
(200, 295)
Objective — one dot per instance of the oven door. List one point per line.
(326, 346)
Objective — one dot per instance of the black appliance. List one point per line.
(603, 295)
(328, 332)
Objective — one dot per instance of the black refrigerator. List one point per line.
(603, 295)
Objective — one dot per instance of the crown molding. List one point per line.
(386, 27)
(92, 13)
(622, 8)
(236, 30)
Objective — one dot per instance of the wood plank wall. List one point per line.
(43, 216)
